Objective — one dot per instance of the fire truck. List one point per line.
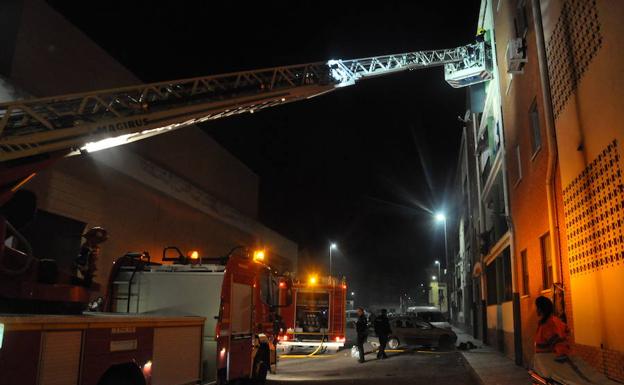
(35, 133)
(237, 294)
(316, 316)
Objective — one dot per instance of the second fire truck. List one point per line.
(315, 318)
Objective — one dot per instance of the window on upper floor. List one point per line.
(507, 287)
(491, 289)
(534, 123)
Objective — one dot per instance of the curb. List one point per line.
(472, 370)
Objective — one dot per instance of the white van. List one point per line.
(431, 314)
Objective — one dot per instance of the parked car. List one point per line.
(412, 331)
(430, 314)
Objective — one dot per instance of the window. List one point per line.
(525, 272)
(547, 269)
(422, 325)
(536, 139)
(507, 289)
(268, 288)
(519, 163)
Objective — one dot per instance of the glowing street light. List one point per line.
(352, 294)
(440, 217)
(332, 246)
(434, 277)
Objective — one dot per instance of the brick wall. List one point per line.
(610, 362)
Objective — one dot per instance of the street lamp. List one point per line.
(331, 247)
(352, 294)
(434, 277)
(440, 217)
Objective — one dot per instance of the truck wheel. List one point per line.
(125, 374)
(393, 343)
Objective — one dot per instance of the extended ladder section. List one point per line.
(96, 120)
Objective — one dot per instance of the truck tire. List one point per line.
(124, 374)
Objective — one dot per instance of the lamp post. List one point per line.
(436, 262)
(440, 217)
(331, 247)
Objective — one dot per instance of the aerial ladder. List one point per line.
(36, 132)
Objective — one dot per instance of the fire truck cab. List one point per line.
(316, 316)
(237, 294)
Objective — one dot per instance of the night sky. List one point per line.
(359, 166)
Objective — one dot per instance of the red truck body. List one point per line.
(102, 349)
(237, 295)
(316, 315)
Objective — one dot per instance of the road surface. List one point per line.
(408, 367)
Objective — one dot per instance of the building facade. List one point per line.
(181, 189)
(495, 235)
(583, 48)
(556, 167)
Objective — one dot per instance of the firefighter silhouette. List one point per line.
(85, 263)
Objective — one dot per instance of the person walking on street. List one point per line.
(361, 327)
(382, 330)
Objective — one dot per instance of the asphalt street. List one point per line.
(408, 367)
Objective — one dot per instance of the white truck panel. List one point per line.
(178, 293)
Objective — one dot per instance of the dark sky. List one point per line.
(351, 167)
